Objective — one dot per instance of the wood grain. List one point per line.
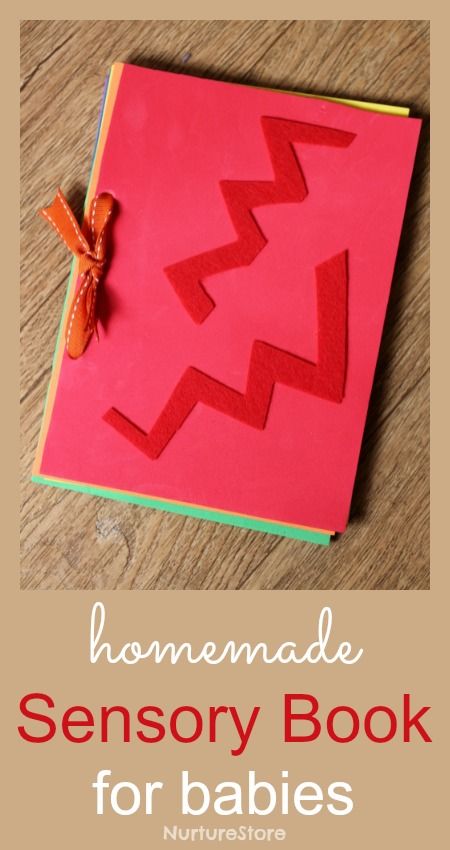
(71, 541)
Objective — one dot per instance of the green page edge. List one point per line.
(189, 510)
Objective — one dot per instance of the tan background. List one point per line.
(395, 789)
(71, 541)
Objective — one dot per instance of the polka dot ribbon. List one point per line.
(89, 244)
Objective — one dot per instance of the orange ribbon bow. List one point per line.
(89, 245)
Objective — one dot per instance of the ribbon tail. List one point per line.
(62, 219)
(91, 304)
(81, 318)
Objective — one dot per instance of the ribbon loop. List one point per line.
(90, 247)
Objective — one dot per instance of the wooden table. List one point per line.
(73, 541)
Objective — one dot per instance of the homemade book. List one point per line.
(226, 301)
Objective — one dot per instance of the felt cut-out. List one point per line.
(268, 366)
(241, 197)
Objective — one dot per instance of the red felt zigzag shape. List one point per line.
(241, 197)
(268, 365)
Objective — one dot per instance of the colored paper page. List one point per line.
(171, 140)
(297, 532)
(253, 523)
